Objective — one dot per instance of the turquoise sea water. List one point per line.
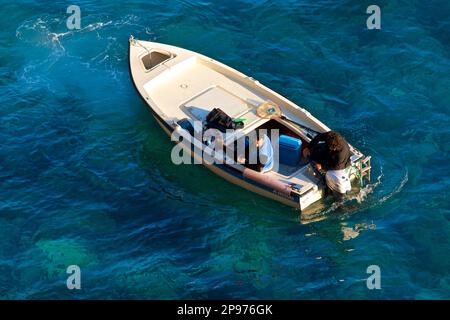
(86, 177)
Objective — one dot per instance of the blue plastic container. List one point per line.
(290, 150)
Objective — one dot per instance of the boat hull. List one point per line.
(171, 80)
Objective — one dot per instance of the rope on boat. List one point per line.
(133, 41)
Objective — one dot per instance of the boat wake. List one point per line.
(39, 31)
(50, 33)
(370, 188)
(362, 197)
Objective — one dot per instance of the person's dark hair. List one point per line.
(334, 141)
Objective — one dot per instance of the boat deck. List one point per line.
(191, 89)
(199, 88)
(178, 83)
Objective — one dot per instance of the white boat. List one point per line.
(180, 84)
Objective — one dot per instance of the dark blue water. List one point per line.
(86, 176)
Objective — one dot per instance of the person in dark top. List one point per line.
(331, 152)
